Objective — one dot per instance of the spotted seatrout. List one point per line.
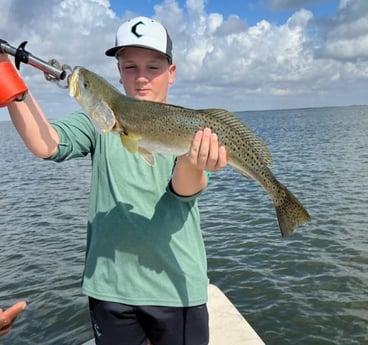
(168, 129)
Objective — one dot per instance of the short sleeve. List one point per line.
(77, 136)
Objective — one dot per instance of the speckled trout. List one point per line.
(147, 127)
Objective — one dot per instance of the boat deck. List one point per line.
(227, 325)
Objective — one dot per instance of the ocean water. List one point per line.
(310, 288)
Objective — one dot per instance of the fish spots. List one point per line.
(169, 128)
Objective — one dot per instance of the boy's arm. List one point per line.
(32, 125)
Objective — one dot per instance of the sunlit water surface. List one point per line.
(310, 288)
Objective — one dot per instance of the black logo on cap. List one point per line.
(134, 29)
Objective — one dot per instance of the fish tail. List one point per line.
(290, 212)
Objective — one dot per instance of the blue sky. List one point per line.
(238, 55)
(252, 11)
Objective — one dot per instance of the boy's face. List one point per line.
(145, 74)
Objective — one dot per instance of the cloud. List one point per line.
(221, 61)
(73, 32)
(345, 37)
(291, 4)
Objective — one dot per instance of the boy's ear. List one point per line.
(172, 72)
(120, 80)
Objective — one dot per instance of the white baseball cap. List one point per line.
(142, 32)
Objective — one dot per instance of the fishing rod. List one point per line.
(53, 70)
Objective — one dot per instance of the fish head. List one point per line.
(91, 92)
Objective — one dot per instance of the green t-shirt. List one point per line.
(144, 243)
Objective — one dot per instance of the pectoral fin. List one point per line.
(102, 117)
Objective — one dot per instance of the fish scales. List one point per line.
(148, 127)
(149, 118)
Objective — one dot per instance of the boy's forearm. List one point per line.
(187, 180)
(33, 127)
(31, 123)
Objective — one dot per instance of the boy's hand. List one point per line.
(8, 316)
(206, 153)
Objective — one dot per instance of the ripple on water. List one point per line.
(310, 288)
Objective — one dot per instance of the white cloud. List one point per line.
(345, 36)
(196, 6)
(222, 62)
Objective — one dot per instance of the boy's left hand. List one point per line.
(206, 153)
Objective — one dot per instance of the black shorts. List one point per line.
(121, 324)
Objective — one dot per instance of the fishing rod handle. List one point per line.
(12, 86)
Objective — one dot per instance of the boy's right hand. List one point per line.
(4, 57)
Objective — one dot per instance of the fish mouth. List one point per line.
(72, 82)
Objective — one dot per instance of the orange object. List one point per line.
(12, 86)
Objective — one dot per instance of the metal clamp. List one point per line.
(50, 77)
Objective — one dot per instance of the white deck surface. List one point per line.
(227, 325)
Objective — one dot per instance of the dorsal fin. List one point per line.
(229, 119)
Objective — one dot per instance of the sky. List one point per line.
(238, 55)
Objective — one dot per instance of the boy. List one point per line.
(145, 269)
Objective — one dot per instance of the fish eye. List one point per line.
(86, 84)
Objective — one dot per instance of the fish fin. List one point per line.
(242, 172)
(130, 142)
(102, 117)
(147, 156)
(246, 133)
(290, 212)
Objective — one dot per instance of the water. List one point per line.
(310, 288)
